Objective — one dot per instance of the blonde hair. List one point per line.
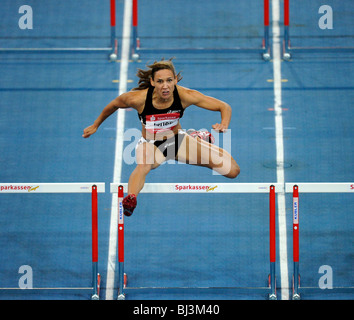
(145, 75)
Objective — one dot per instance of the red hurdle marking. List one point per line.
(135, 13)
(286, 13)
(266, 12)
(113, 13)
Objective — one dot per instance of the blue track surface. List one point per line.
(173, 240)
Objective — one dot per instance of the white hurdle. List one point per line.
(309, 187)
(321, 187)
(32, 188)
(35, 187)
(201, 188)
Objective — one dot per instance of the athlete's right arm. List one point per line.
(125, 100)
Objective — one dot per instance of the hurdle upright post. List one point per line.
(272, 243)
(95, 274)
(266, 46)
(286, 41)
(121, 294)
(136, 41)
(114, 41)
(296, 275)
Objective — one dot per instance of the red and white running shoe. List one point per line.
(129, 204)
(202, 134)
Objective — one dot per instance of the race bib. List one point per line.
(161, 122)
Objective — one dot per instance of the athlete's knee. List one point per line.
(144, 168)
(234, 170)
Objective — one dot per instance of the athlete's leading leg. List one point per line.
(201, 153)
(148, 157)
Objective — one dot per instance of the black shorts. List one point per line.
(169, 147)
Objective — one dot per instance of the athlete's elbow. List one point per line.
(226, 107)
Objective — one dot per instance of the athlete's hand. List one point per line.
(89, 131)
(219, 127)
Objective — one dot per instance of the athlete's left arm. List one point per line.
(194, 97)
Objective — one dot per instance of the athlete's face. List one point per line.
(164, 82)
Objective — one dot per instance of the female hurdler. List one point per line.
(160, 103)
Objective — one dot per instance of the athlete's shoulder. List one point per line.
(137, 94)
(188, 96)
(134, 98)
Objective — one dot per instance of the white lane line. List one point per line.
(283, 252)
(123, 77)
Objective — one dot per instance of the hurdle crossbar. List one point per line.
(113, 45)
(206, 188)
(37, 187)
(93, 188)
(321, 187)
(288, 49)
(203, 187)
(308, 187)
(264, 49)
